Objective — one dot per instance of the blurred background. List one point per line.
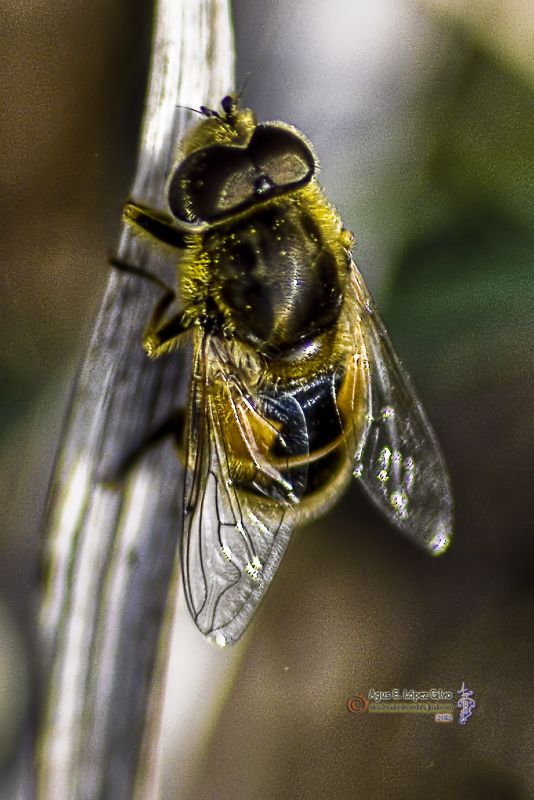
(422, 116)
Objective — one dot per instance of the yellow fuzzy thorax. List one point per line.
(197, 275)
(196, 271)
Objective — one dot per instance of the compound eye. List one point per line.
(281, 155)
(212, 183)
(217, 181)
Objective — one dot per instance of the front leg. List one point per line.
(156, 226)
(163, 331)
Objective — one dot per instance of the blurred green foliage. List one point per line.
(462, 298)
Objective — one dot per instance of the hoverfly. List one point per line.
(295, 386)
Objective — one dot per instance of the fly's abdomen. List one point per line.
(320, 423)
(303, 447)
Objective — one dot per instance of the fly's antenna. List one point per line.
(209, 112)
(188, 108)
(229, 106)
(203, 110)
(231, 102)
(244, 85)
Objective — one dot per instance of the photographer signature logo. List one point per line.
(357, 704)
(465, 703)
(436, 702)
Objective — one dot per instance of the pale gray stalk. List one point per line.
(111, 550)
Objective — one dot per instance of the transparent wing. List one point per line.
(234, 539)
(400, 464)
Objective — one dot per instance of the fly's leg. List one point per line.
(160, 336)
(173, 426)
(156, 226)
(162, 332)
(141, 272)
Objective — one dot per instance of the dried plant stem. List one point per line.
(112, 550)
